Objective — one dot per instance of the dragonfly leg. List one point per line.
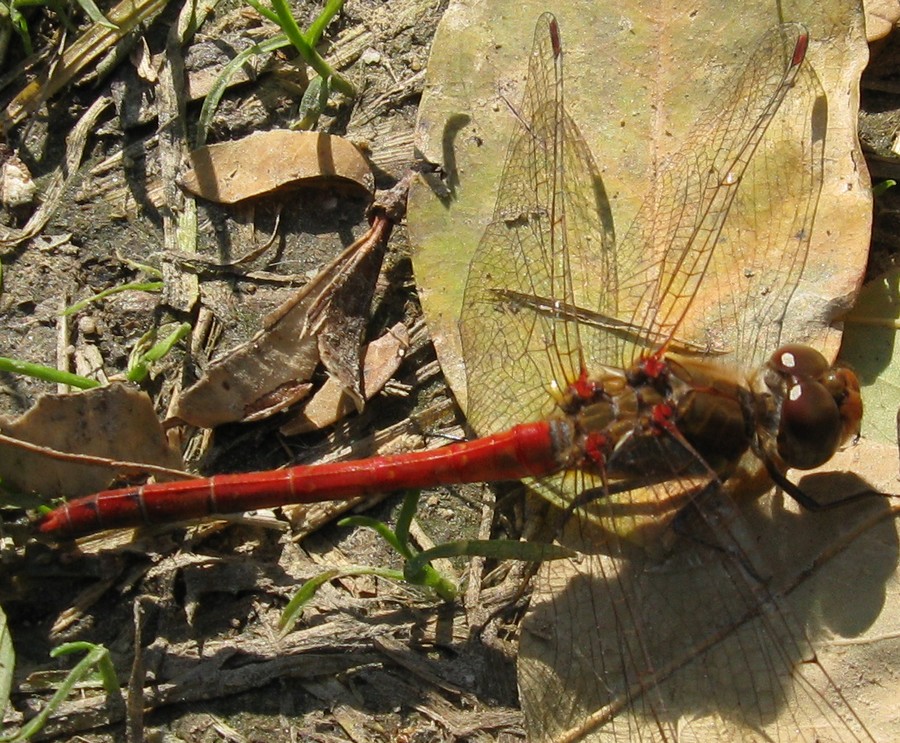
(807, 501)
(702, 506)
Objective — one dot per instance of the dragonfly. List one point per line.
(603, 373)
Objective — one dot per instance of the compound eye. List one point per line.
(799, 361)
(811, 426)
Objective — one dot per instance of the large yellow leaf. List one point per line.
(636, 79)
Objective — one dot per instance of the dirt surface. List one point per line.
(190, 615)
(370, 660)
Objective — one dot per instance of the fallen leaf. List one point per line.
(285, 353)
(117, 422)
(634, 85)
(622, 644)
(264, 162)
(344, 322)
(331, 402)
(870, 348)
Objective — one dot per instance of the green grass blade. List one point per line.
(380, 528)
(318, 26)
(139, 286)
(47, 373)
(294, 608)
(140, 361)
(93, 12)
(211, 102)
(97, 656)
(500, 549)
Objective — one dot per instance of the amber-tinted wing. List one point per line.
(733, 212)
(607, 649)
(716, 250)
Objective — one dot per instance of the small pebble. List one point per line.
(371, 57)
(87, 325)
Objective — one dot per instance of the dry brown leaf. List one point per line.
(117, 422)
(229, 172)
(343, 324)
(881, 18)
(331, 402)
(285, 353)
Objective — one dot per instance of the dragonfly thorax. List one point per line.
(704, 415)
(795, 412)
(599, 411)
(713, 410)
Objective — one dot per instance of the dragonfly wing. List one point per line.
(623, 646)
(733, 210)
(550, 238)
(648, 481)
(764, 242)
(665, 633)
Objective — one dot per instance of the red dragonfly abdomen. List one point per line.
(528, 450)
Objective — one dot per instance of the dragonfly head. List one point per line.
(820, 405)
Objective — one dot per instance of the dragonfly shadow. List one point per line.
(690, 643)
(818, 556)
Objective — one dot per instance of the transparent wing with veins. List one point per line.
(733, 210)
(546, 239)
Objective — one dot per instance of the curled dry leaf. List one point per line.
(260, 377)
(115, 422)
(229, 172)
(331, 402)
